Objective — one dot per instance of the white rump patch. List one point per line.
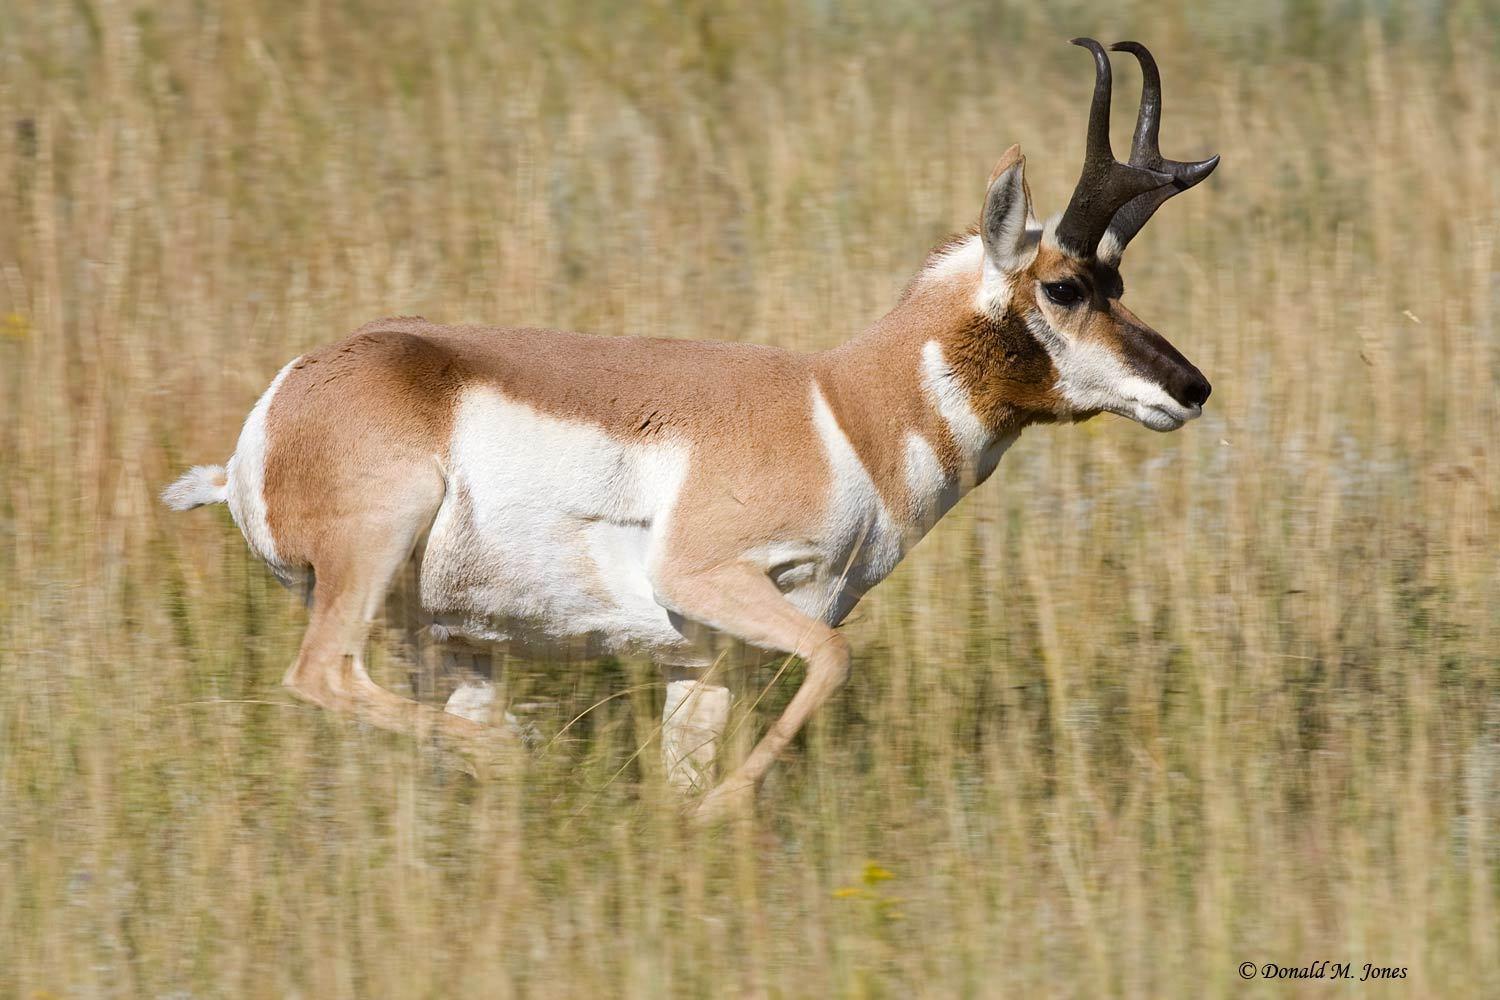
(246, 474)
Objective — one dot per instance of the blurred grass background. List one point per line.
(1145, 707)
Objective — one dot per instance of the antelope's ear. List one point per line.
(1007, 210)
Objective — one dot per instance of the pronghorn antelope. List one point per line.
(649, 494)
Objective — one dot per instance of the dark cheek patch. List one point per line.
(1007, 373)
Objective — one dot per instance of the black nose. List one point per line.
(1194, 390)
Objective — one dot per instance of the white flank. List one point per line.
(246, 475)
(550, 528)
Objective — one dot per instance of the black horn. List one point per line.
(1106, 184)
(1145, 151)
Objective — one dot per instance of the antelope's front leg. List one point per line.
(741, 601)
(692, 731)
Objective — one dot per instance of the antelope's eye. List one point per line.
(1063, 293)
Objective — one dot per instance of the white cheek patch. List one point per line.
(1092, 377)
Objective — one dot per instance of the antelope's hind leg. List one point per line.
(474, 683)
(330, 671)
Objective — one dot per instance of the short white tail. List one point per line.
(202, 484)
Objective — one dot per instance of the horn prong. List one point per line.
(1185, 175)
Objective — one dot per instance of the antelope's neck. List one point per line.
(907, 394)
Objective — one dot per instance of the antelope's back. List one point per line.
(547, 464)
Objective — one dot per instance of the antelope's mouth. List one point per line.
(1165, 417)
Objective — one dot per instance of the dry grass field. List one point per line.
(1145, 707)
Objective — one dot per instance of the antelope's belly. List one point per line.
(547, 531)
(587, 592)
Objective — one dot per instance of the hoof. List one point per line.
(483, 756)
(727, 801)
(472, 700)
(443, 759)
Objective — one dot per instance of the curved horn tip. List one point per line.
(1101, 58)
(1102, 75)
(1152, 75)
